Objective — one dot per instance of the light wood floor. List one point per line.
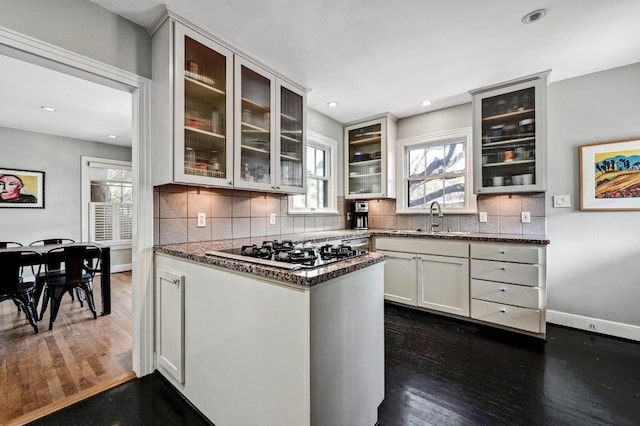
(80, 353)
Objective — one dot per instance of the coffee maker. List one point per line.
(360, 215)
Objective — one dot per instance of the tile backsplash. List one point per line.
(231, 214)
(503, 216)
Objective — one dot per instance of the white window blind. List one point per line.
(111, 205)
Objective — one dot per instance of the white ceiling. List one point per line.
(84, 110)
(370, 56)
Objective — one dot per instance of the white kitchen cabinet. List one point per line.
(270, 150)
(192, 108)
(300, 355)
(431, 274)
(508, 286)
(170, 322)
(370, 159)
(400, 277)
(509, 134)
(443, 284)
(220, 119)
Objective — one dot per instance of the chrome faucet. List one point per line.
(440, 221)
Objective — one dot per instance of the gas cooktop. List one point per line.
(285, 254)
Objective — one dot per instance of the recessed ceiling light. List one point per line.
(426, 103)
(48, 108)
(332, 104)
(534, 16)
(112, 136)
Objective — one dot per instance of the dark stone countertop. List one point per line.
(307, 277)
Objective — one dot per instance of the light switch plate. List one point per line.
(562, 201)
(526, 217)
(482, 217)
(202, 220)
(272, 219)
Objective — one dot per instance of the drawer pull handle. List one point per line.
(502, 251)
(503, 289)
(503, 310)
(502, 268)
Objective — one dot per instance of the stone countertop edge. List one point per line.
(308, 277)
(304, 277)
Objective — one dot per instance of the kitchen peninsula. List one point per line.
(254, 344)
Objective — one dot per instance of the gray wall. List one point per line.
(332, 129)
(59, 158)
(84, 28)
(593, 256)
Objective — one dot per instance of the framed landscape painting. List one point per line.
(610, 176)
(21, 189)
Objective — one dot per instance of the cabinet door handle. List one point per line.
(503, 289)
(230, 182)
(176, 281)
(503, 310)
(277, 187)
(502, 268)
(502, 251)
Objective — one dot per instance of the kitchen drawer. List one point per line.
(507, 315)
(507, 253)
(436, 247)
(514, 273)
(517, 295)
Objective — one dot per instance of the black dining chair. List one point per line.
(41, 278)
(14, 287)
(9, 244)
(80, 267)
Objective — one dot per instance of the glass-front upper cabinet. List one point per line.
(203, 142)
(509, 131)
(369, 159)
(291, 128)
(255, 159)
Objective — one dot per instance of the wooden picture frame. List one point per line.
(21, 189)
(610, 175)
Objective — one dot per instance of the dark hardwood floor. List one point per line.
(441, 371)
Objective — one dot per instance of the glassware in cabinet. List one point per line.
(291, 131)
(367, 156)
(510, 136)
(203, 109)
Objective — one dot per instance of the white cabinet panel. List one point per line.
(170, 322)
(444, 284)
(400, 278)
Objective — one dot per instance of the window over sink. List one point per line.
(436, 167)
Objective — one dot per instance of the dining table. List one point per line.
(40, 259)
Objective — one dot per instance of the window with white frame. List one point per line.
(437, 167)
(110, 203)
(321, 179)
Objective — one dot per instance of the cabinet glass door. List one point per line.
(254, 124)
(509, 139)
(202, 84)
(365, 157)
(291, 131)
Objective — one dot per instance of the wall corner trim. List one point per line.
(610, 328)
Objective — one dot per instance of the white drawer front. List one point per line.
(507, 253)
(515, 273)
(526, 297)
(509, 316)
(432, 246)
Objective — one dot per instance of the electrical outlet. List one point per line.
(562, 201)
(272, 219)
(482, 217)
(526, 217)
(202, 220)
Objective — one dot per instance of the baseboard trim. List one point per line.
(63, 403)
(121, 268)
(610, 328)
